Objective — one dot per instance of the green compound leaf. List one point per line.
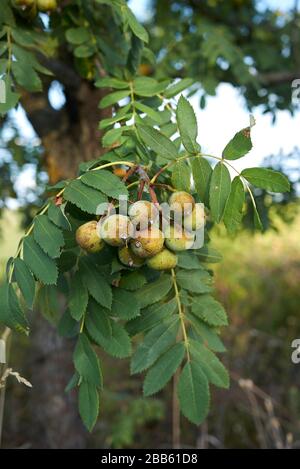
(48, 236)
(84, 50)
(84, 197)
(163, 370)
(25, 281)
(156, 342)
(202, 172)
(11, 313)
(187, 125)
(98, 322)
(267, 179)
(11, 98)
(78, 297)
(210, 310)
(188, 260)
(121, 115)
(26, 76)
(211, 366)
(257, 220)
(151, 316)
(58, 217)
(73, 383)
(67, 326)
(181, 176)
(86, 361)
(77, 35)
(147, 87)
(156, 116)
(47, 302)
(193, 393)
(43, 267)
(132, 281)
(158, 142)
(135, 26)
(105, 182)
(196, 281)
(178, 87)
(113, 98)
(209, 255)
(112, 136)
(233, 214)
(88, 403)
(154, 291)
(110, 82)
(124, 304)
(117, 343)
(239, 146)
(97, 285)
(220, 185)
(206, 333)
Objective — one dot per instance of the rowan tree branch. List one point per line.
(278, 78)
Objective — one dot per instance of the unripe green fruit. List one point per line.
(148, 242)
(164, 260)
(196, 219)
(24, 3)
(181, 202)
(128, 258)
(178, 239)
(143, 213)
(87, 237)
(116, 230)
(46, 5)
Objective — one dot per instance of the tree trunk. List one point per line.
(69, 136)
(54, 420)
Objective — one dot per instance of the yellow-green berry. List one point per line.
(164, 260)
(148, 242)
(88, 238)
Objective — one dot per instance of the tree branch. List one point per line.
(278, 78)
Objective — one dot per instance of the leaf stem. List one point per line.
(9, 47)
(132, 102)
(132, 184)
(165, 186)
(181, 314)
(168, 105)
(175, 412)
(82, 324)
(107, 165)
(251, 196)
(187, 157)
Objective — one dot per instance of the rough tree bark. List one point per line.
(69, 136)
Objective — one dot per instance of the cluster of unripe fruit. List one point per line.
(142, 237)
(42, 5)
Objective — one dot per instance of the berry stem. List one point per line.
(129, 173)
(165, 186)
(141, 189)
(153, 196)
